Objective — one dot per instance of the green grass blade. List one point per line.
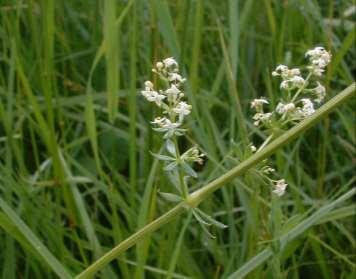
(166, 27)
(263, 256)
(36, 244)
(112, 58)
(177, 248)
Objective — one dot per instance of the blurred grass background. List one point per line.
(76, 175)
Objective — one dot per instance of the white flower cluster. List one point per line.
(174, 110)
(291, 77)
(152, 95)
(291, 108)
(169, 100)
(299, 96)
(319, 58)
(260, 116)
(193, 155)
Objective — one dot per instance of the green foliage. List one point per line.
(76, 172)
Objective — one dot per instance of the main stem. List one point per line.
(198, 196)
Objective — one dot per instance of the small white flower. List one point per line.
(170, 62)
(268, 170)
(159, 65)
(159, 121)
(257, 103)
(321, 63)
(291, 77)
(285, 84)
(289, 74)
(173, 91)
(279, 69)
(148, 84)
(316, 70)
(319, 92)
(308, 107)
(319, 55)
(261, 117)
(182, 109)
(280, 187)
(174, 77)
(280, 108)
(285, 72)
(253, 148)
(283, 108)
(293, 82)
(193, 155)
(294, 72)
(153, 96)
(148, 94)
(297, 81)
(165, 123)
(314, 52)
(159, 99)
(167, 126)
(289, 107)
(319, 58)
(170, 125)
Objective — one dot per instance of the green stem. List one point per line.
(198, 196)
(182, 184)
(276, 268)
(265, 142)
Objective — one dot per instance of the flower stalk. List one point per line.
(174, 109)
(296, 103)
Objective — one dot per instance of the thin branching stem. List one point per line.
(200, 195)
(302, 88)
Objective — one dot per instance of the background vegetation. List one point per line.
(76, 173)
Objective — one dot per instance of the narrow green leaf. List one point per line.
(199, 218)
(165, 25)
(170, 197)
(170, 147)
(90, 122)
(170, 166)
(112, 58)
(177, 248)
(162, 157)
(188, 170)
(211, 220)
(36, 244)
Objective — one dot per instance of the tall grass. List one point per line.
(76, 174)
